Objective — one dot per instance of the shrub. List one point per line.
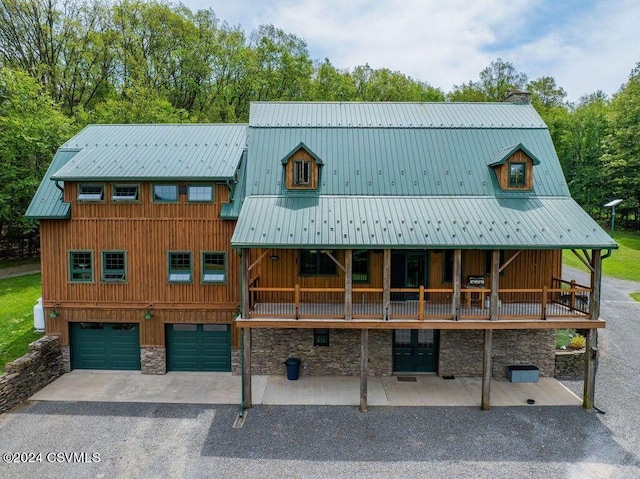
(577, 342)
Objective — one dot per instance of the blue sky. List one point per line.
(585, 45)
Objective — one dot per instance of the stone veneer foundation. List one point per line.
(271, 347)
(570, 364)
(153, 360)
(460, 352)
(66, 358)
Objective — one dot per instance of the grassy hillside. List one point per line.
(17, 296)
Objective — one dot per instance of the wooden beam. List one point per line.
(364, 368)
(386, 283)
(596, 278)
(508, 262)
(591, 352)
(485, 403)
(421, 303)
(244, 284)
(495, 283)
(590, 361)
(457, 284)
(348, 280)
(246, 368)
(259, 258)
(415, 324)
(328, 253)
(584, 261)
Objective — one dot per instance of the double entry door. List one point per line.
(415, 350)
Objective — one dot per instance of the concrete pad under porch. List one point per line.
(224, 388)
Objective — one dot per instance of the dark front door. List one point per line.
(415, 350)
(408, 270)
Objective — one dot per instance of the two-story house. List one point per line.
(362, 238)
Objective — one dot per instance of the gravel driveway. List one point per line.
(196, 441)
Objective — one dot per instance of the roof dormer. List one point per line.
(302, 168)
(513, 166)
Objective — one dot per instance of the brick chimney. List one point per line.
(518, 97)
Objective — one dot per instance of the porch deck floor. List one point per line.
(224, 388)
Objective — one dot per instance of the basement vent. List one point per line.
(407, 379)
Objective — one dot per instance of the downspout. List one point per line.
(242, 359)
(59, 187)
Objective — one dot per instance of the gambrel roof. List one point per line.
(407, 175)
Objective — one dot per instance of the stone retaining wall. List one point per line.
(461, 351)
(271, 347)
(570, 364)
(27, 375)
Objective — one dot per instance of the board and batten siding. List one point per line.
(531, 269)
(146, 232)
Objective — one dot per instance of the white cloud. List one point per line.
(450, 42)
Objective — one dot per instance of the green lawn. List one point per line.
(622, 264)
(17, 296)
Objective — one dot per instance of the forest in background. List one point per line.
(68, 63)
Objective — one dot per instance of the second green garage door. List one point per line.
(198, 347)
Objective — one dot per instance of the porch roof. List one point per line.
(417, 222)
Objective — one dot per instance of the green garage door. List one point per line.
(198, 347)
(105, 346)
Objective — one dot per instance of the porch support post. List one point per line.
(591, 352)
(364, 369)
(244, 284)
(348, 293)
(485, 403)
(457, 282)
(246, 368)
(495, 283)
(386, 283)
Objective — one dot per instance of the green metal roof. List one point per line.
(231, 210)
(47, 202)
(393, 115)
(417, 222)
(154, 152)
(505, 153)
(401, 161)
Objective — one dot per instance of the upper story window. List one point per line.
(180, 267)
(317, 262)
(517, 175)
(302, 169)
(200, 193)
(214, 267)
(165, 193)
(125, 192)
(513, 166)
(301, 172)
(91, 192)
(114, 266)
(81, 266)
(360, 266)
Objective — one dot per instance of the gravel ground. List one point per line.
(195, 441)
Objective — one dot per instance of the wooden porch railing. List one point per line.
(568, 300)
